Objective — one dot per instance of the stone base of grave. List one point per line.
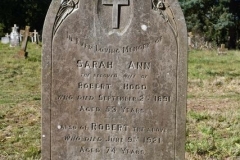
(222, 51)
(21, 54)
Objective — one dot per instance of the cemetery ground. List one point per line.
(213, 109)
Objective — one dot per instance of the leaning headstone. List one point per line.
(14, 37)
(114, 75)
(23, 51)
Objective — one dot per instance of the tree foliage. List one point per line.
(22, 13)
(213, 19)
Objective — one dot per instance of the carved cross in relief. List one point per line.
(115, 12)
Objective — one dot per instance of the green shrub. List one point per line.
(1, 30)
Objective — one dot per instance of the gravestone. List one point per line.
(6, 39)
(35, 36)
(31, 35)
(14, 37)
(222, 50)
(190, 36)
(23, 51)
(114, 75)
(21, 34)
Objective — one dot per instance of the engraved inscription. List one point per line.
(93, 86)
(106, 49)
(131, 110)
(82, 138)
(101, 92)
(140, 65)
(142, 47)
(94, 64)
(65, 97)
(140, 98)
(86, 98)
(152, 140)
(106, 75)
(162, 98)
(120, 98)
(114, 139)
(89, 150)
(131, 151)
(112, 50)
(143, 129)
(109, 127)
(134, 86)
(89, 109)
(71, 127)
(111, 150)
(123, 109)
(129, 76)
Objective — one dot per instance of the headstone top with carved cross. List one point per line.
(114, 80)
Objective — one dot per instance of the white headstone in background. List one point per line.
(35, 34)
(14, 37)
(5, 40)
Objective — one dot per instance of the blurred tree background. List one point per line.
(217, 21)
(22, 13)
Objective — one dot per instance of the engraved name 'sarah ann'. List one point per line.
(109, 65)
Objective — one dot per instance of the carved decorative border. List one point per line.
(166, 12)
(66, 8)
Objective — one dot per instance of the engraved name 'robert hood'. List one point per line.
(94, 64)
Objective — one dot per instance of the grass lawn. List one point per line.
(20, 107)
(213, 116)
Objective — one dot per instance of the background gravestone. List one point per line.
(114, 80)
(23, 51)
(14, 36)
(6, 39)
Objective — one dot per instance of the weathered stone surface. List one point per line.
(114, 80)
